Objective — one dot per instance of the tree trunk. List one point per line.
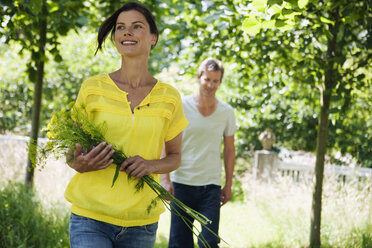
(330, 80)
(319, 169)
(37, 96)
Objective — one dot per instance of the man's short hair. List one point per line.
(210, 64)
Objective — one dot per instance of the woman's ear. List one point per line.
(154, 39)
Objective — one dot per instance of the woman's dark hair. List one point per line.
(109, 24)
(210, 64)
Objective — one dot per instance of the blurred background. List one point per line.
(297, 72)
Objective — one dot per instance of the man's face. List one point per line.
(209, 82)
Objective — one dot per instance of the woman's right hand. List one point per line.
(97, 158)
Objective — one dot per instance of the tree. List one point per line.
(335, 36)
(308, 50)
(272, 75)
(36, 25)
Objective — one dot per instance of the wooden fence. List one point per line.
(299, 171)
(268, 165)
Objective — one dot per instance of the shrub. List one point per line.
(24, 223)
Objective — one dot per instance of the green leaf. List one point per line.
(302, 3)
(363, 63)
(280, 23)
(292, 2)
(286, 28)
(268, 24)
(31, 73)
(251, 25)
(82, 20)
(273, 2)
(116, 175)
(223, 25)
(335, 98)
(275, 16)
(327, 33)
(54, 9)
(58, 58)
(286, 11)
(259, 5)
(326, 20)
(361, 77)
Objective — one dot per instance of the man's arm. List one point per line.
(165, 178)
(229, 163)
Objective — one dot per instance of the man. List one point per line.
(197, 182)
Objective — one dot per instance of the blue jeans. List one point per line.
(204, 199)
(89, 233)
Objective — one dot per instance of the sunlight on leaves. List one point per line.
(251, 25)
(302, 3)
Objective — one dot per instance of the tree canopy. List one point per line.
(273, 52)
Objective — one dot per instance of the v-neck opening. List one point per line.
(195, 105)
(144, 101)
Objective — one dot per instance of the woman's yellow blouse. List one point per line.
(157, 119)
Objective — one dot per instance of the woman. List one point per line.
(141, 114)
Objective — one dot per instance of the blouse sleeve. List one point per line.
(178, 121)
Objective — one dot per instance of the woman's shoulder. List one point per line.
(167, 89)
(96, 82)
(96, 79)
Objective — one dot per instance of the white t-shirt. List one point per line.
(201, 143)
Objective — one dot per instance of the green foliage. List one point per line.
(15, 90)
(293, 60)
(21, 22)
(272, 77)
(237, 191)
(23, 223)
(242, 166)
(62, 79)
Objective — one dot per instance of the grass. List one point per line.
(271, 214)
(24, 223)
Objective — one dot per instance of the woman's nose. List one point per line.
(128, 31)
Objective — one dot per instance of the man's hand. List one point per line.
(167, 184)
(225, 195)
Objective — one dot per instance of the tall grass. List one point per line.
(277, 214)
(271, 213)
(24, 222)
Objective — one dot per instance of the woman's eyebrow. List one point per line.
(132, 22)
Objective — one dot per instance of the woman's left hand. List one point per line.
(136, 167)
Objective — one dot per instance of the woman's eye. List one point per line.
(119, 27)
(137, 26)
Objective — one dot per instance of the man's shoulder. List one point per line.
(187, 98)
(225, 106)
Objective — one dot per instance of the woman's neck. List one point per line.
(134, 72)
